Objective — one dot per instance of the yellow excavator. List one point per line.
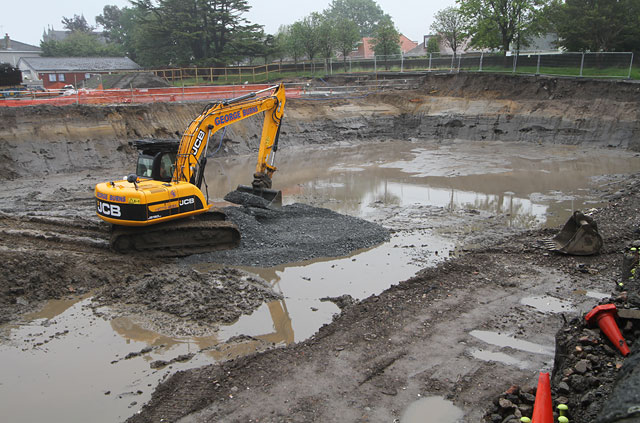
(161, 207)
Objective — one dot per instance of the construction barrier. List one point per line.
(142, 95)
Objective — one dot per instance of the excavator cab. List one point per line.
(156, 158)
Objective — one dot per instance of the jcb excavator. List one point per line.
(151, 210)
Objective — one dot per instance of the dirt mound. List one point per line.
(213, 297)
(125, 81)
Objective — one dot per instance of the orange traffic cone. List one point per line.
(604, 316)
(543, 407)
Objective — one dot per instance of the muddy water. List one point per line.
(74, 362)
(534, 184)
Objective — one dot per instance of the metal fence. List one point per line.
(596, 65)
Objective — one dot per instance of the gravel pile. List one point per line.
(297, 232)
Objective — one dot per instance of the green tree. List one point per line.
(121, 27)
(77, 24)
(306, 31)
(80, 44)
(449, 24)
(498, 23)
(386, 40)
(366, 14)
(347, 36)
(201, 32)
(326, 36)
(295, 42)
(597, 25)
(280, 41)
(433, 44)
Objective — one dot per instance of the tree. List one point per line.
(306, 31)
(449, 24)
(77, 24)
(347, 36)
(280, 42)
(201, 32)
(386, 39)
(366, 14)
(295, 44)
(597, 25)
(498, 23)
(433, 45)
(326, 37)
(80, 44)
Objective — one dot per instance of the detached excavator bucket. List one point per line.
(578, 237)
(273, 196)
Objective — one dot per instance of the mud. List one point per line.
(456, 331)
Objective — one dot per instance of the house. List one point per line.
(11, 51)
(56, 72)
(365, 47)
(443, 47)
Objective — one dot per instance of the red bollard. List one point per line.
(543, 407)
(604, 316)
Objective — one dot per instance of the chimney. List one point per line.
(7, 41)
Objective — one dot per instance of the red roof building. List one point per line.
(365, 47)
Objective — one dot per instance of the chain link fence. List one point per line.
(593, 65)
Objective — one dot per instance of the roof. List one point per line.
(406, 44)
(80, 64)
(16, 46)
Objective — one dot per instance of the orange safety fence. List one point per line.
(141, 95)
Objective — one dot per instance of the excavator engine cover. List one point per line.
(579, 236)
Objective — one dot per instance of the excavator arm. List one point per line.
(191, 158)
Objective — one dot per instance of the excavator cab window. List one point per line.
(145, 166)
(165, 166)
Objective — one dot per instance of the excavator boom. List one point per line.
(166, 187)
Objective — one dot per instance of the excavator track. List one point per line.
(200, 234)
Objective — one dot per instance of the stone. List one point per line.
(582, 366)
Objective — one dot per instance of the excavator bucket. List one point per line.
(578, 237)
(273, 196)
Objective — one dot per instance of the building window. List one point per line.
(52, 77)
(61, 77)
(87, 75)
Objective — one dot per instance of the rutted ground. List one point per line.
(419, 338)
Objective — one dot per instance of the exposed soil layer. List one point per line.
(379, 354)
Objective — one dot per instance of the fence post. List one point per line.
(254, 74)
(196, 75)
(630, 65)
(451, 66)
(538, 66)
(75, 85)
(331, 65)
(350, 64)
(401, 62)
(481, 57)
(515, 62)
(267, 69)
(375, 65)
(430, 54)
(582, 63)
(459, 61)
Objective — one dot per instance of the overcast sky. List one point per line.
(25, 22)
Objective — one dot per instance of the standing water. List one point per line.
(75, 363)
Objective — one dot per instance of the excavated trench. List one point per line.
(376, 188)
